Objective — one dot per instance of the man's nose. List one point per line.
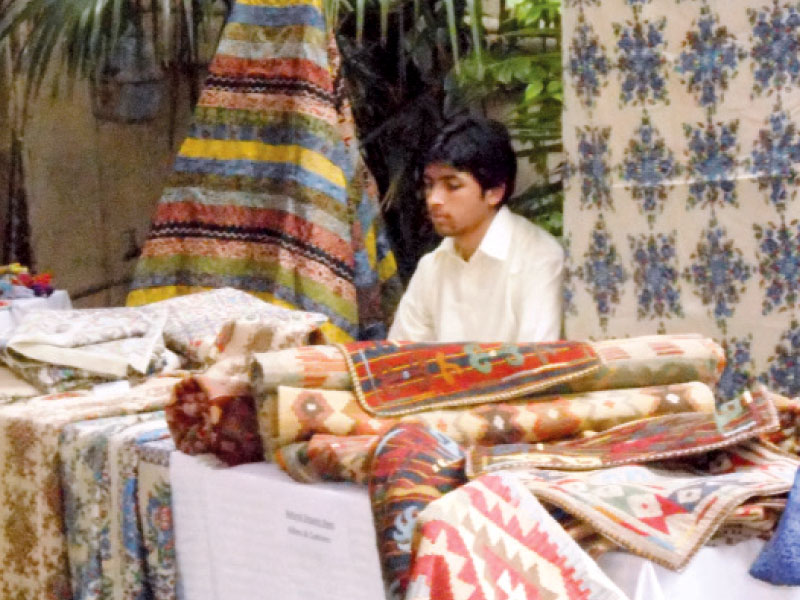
(435, 196)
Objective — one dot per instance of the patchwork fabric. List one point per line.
(653, 360)
(492, 540)
(392, 379)
(413, 465)
(644, 440)
(154, 494)
(681, 209)
(218, 416)
(779, 561)
(269, 193)
(665, 515)
(304, 367)
(301, 413)
(328, 458)
(33, 547)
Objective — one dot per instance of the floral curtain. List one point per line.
(683, 154)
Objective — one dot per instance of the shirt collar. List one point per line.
(496, 240)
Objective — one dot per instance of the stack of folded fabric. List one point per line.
(60, 350)
(105, 450)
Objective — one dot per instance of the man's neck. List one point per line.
(468, 242)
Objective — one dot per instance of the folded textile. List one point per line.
(86, 483)
(644, 440)
(653, 360)
(269, 191)
(216, 415)
(392, 379)
(779, 561)
(305, 367)
(154, 493)
(662, 514)
(13, 387)
(33, 548)
(413, 465)
(788, 435)
(107, 342)
(100, 476)
(301, 413)
(492, 540)
(199, 323)
(328, 458)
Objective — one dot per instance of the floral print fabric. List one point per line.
(33, 545)
(197, 320)
(683, 152)
(155, 515)
(99, 479)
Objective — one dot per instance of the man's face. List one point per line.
(456, 203)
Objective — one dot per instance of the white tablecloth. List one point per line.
(250, 532)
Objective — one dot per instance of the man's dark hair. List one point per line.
(482, 147)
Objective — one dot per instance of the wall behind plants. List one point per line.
(91, 188)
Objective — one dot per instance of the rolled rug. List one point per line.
(218, 416)
(300, 413)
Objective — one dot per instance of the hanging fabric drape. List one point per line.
(269, 192)
(683, 152)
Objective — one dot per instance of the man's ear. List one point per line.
(495, 195)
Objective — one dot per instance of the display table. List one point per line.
(251, 532)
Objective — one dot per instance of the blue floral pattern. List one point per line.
(712, 163)
(641, 63)
(593, 167)
(602, 272)
(709, 59)
(738, 374)
(648, 164)
(588, 63)
(568, 287)
(775, 46)
(779, 264)
(774, 155)
(718, 272)
(783, 374)
(656, 276)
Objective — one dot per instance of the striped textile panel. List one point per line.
(269, 193)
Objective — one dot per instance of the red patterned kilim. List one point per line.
(393, 379)
(491, 540)
(642, 440)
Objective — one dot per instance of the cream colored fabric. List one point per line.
(509, 290)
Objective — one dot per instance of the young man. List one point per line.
(496, 277)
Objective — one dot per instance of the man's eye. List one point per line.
(453, 185)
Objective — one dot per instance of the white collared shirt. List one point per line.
(508, 291)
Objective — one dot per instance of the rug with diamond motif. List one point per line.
(643, 440)
(492, 540)
(392, 379)
(665, 514)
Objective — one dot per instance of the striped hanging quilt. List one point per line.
(683, 152)
(269, 192)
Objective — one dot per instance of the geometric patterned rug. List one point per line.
(492, 540)
(639, 441)
(663, 514)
